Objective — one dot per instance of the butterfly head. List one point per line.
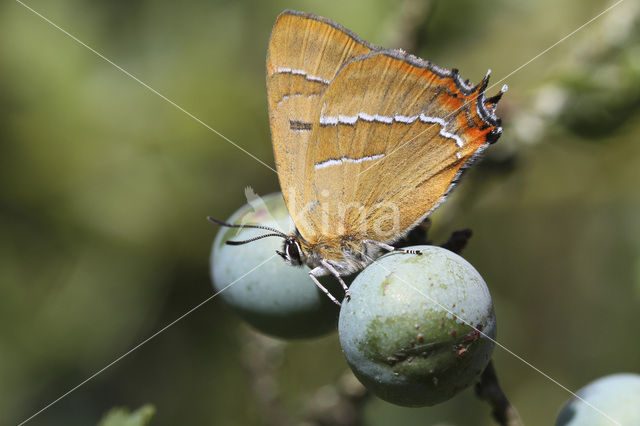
(292, 252)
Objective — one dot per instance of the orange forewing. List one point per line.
(305, 53)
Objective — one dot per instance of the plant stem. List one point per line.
(489, 389)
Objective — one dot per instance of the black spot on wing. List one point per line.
(300, 126)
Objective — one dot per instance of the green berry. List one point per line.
(616, 395)
(277, 299)
(405, 332)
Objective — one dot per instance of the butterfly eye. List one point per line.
(292, 251)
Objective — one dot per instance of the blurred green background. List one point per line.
(104, 188)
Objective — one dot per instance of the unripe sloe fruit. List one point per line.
(616, 395)
(406, 331)
(276, 298)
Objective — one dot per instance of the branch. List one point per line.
(410, 20)
(458, 240)
(261, 356)
(489, 389)
(340, 404)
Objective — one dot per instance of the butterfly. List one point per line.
(367, 142)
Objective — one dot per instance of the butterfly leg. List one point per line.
(318, 272)
(329, 267)
(387, 247)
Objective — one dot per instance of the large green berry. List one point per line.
(406, 331)
(616, 399)
(275, 298)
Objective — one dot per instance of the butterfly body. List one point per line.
(347, 254)
(367, 141)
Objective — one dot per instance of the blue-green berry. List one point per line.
(616, 399)
(275, 298)
(415, 331)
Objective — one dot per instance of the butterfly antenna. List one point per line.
(237, 243)
(233, 225)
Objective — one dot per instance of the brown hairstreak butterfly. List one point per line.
(367, 141)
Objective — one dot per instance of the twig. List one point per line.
(489, 389)
(262, 356)
(410, 20)
(340, 404)
(458, 240)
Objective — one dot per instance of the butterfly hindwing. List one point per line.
(390, 135)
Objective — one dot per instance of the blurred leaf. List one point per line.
(122, 417)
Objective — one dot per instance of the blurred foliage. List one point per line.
(104, 188)
(123, 417)
(606, 73)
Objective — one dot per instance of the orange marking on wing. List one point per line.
(451, 102)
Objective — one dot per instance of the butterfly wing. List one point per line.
(391, 136)
(305, 53)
